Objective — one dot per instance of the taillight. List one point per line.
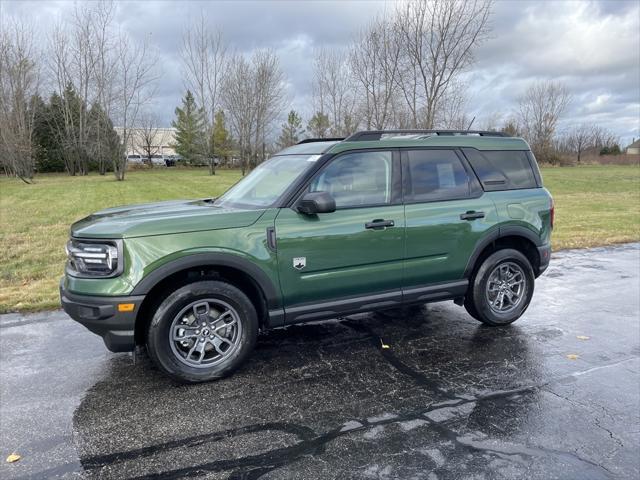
(552, 211)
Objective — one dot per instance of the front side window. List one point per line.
(434, 175)
(357, 179)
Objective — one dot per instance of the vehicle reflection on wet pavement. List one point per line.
(557, 394)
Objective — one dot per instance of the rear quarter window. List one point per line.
(503, 169)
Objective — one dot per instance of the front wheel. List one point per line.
(501, 289)
(202, 331)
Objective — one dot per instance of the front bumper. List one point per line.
(101, 316)
(545, 256)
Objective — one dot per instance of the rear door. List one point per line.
(446, 213)
(353, 253)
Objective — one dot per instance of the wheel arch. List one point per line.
(511, 236)
(242, 273)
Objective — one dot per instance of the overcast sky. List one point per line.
(593, 47)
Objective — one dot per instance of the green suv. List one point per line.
(320, 230)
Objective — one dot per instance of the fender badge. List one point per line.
(299, 263)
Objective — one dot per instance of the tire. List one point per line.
(505, 274)
(469, 305)
(210, 321)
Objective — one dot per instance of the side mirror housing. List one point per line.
(316, 202)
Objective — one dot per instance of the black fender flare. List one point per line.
(211, 259)
(495, 234)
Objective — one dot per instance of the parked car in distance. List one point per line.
(158, 160)
(320, 230)
(134, 159)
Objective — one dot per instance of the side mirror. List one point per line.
(316, 202)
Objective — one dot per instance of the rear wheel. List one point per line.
(501, 288)
(202, 331)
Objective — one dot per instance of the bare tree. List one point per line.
(451, 113)
(134, 89)
(438, 37)
(254, 93)
(374, 61)
(83, 67)
(269, 95)
(93, 63)
(149, 136)
(603, 137)
(581, 138)
(511, 127)
(239, 102)
(490, 121)
(204, 57)
(19, 81)
(105, 146)
(333, 89)
(72, 63)
(539, 111)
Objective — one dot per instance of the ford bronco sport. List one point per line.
(320, 230)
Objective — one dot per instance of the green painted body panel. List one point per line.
(343, 258)
(528, 208)
(439, 243)
(160, 219)
(145, 254)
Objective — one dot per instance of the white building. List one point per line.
(634, 148)
(162, 140)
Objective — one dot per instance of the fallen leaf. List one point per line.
(573, 356)
(14, 457)
(583, 337)
(384, 345)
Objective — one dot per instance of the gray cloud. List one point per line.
(593, 47)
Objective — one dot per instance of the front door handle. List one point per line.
(379, 223)
(471, 215)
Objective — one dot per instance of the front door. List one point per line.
(328, 261)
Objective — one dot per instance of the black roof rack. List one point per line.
(313, 140)
(367, 135)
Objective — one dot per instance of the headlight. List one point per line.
(99, 258)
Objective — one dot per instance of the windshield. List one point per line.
(268, 181)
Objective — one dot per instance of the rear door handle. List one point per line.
(471, 215)
(379, 224)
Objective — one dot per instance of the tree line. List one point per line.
(100, 77)
(404, 70)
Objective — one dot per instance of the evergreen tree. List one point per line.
(319, 126)
(190, 125)
(220, 137)
(104, 143)
(72, 133)
(46, 146)
(291, 130)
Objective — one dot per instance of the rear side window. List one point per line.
(502, 169)
(433, 175)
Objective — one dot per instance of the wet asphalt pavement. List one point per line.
(556, 395)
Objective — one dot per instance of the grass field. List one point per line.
(595, 205)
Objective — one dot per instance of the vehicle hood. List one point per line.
(177, 216)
